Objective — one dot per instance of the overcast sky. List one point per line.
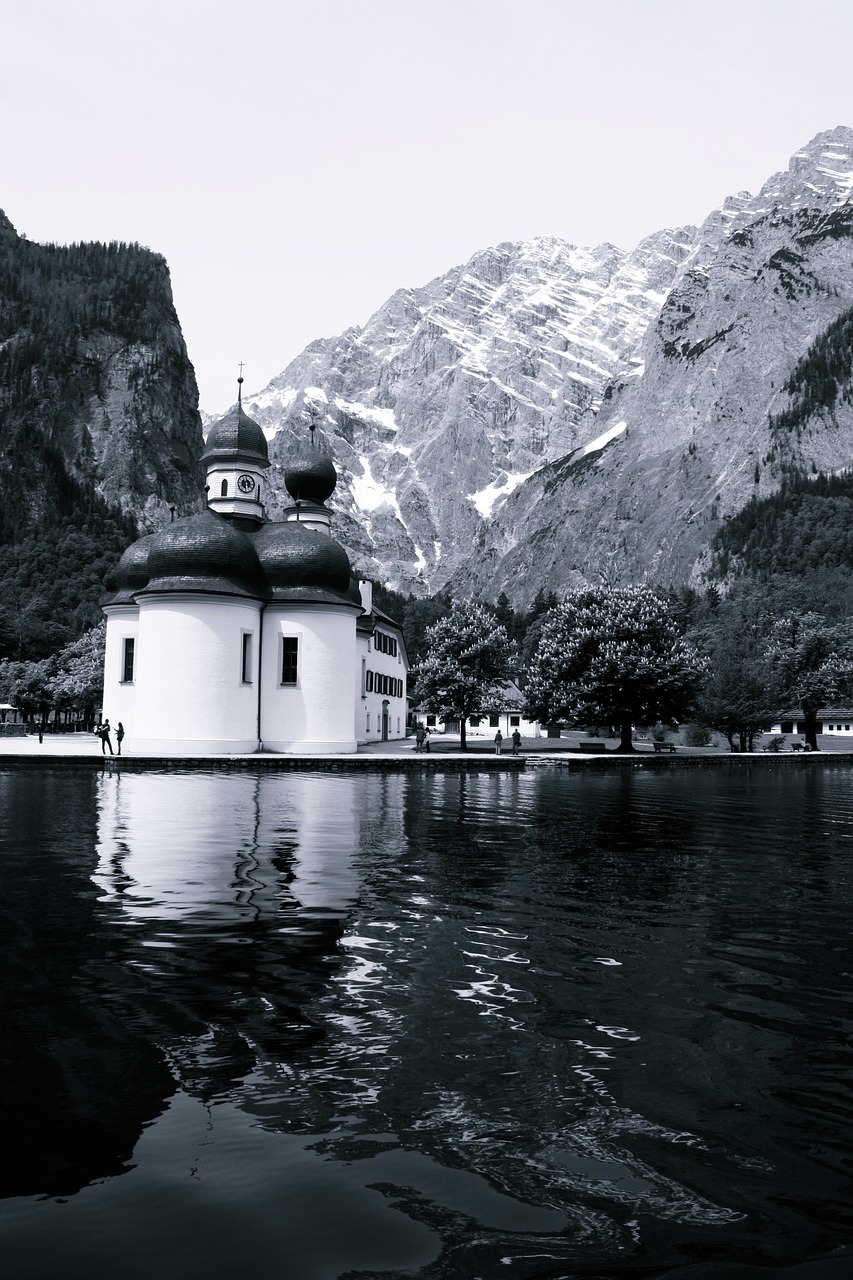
(296, 161)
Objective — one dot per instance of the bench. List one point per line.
(664, 746)
(591, 748)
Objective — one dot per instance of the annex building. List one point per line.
(230, 633)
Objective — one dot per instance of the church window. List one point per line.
(127, 660)
(289, 659)
(223, 489)
(246, 658)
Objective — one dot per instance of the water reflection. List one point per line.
(454, 1023)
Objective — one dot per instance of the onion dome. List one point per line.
(204, 553)
(131, 572)
(310, 476)
(236, 436)
(303, 564)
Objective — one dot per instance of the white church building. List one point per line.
(232, 634)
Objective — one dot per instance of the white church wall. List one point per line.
(120, 694)
(190, 694)
(316, 714)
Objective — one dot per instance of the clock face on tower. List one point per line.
(246, 484)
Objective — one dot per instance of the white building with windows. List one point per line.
(507, 715)
(229, 633)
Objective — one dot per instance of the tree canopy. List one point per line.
(466, 665)
(813, 662)
(613, 654)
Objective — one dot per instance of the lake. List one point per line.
(316, 1026)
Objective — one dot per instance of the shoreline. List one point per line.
(82, 751)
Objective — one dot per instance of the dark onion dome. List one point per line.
(131, 572)
(310, 476)
(204, 553)
(303, 564)
(236, 436)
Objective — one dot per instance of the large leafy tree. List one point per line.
(466, 665)
(615, 654)
(813, 662)
(79, 679)
(739, 695)
(72, 678)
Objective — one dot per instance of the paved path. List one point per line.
(68, 748)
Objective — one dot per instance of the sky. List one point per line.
(297, 161)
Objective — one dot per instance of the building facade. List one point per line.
(229, 633)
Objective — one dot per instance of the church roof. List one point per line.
(204, 553)
(302, 564)
(236, 436)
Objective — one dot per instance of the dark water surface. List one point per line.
(314, 1026)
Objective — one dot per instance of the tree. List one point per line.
(739, 696)
(466, 664)
(614, 654)
(813, 661)
(79, 679)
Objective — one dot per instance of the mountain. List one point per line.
(100, 434)
(546, 414)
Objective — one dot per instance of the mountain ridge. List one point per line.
(459, 409)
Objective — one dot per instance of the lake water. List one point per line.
(316, 1026)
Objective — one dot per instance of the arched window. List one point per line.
(223, 490)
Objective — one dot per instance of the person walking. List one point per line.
(119, 735)
(516, 741)
(499, 740)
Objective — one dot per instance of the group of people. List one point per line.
(515, 739)
(422, 740)
(104, 730)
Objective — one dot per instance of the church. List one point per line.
(232, 634)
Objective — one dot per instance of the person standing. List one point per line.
(516, 741)
(119, 735)
(499, 739)
(104, 735)
(419, 738)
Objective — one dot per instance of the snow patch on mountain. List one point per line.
(487, 498)
(610, 434)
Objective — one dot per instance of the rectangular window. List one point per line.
(475, 722)
(369, 685)
(430, 721)
(246, 658)
(494, 721)
(363, 677)
(515, 721)
(289, 659)
(127, 660)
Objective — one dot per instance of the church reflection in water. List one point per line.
(192, 959)
(230, 893)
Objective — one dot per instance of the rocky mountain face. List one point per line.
(547, 414)
(98, 399)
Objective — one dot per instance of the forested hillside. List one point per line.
(99, 430)
(803, 531)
